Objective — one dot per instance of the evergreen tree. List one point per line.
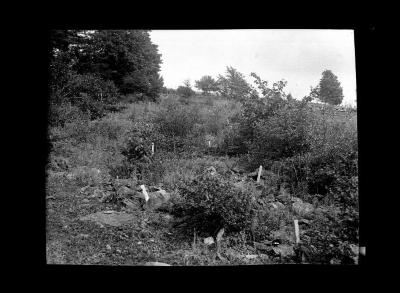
(329, 89)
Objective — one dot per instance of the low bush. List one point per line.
(64, 113)
(175, 124)
(210, 203)
(88, 92)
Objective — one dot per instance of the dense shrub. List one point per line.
(331, 235)
(87, 92)
(64, 113)
(330, 164)
(185, 92)
(210, 203)
(110, 129)
(175, 123)
(283, 135)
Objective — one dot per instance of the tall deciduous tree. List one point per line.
(233, 85)
(126, 57)
(206, 84)
(329, 89)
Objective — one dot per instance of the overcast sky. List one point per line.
(298, 56)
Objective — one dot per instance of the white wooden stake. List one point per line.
(146, 195)
(152, 148)
(297, 231)
(209, 143)
(259, 174)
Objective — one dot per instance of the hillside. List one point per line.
(202, 182)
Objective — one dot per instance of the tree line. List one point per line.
(233, 85)
(93, 69)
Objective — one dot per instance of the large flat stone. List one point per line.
(112, 218)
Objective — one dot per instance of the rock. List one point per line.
(84, 189)
(251, 256)
(81, 235)
(61, 163)
(239, 185)
(108, 247)
(304, 221)
(274, 205)
(130, 183)
(168, 218)
(334, 261)
(85, 200)
(302, 208)
(238, 170)
(70, 176)
(284, 250)
(155, 263)
(98, 193)
(111, 218)
(285, 234)
(284, 195)
(211, 170)
(157, 200)
(277, 205)
(270, 198)
(123, 190)
(209, 241)
(262, 246)
(129, 204)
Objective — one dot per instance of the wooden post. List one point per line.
(152, 148)
(259, 174)
(146, 195)
(297, 231)
(209, 143)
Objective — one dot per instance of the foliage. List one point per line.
(331, 234)
(89, 69)
(210, 203)
(127, 57)
(176, 123)
(329, 89)
(59, 115)
(282, 135)
(185, 91)
(233, 85)
(276, 92)
(206, 84)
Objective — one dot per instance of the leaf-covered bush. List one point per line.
(210, 203)
(176, 123)
(282, 135)
(64, 113)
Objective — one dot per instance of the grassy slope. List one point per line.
(151, 237)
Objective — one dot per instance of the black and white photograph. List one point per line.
(202, 147)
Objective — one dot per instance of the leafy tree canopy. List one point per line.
(207, 84)
(233, 85)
